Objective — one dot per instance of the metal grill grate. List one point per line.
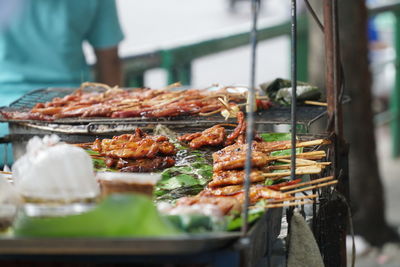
(28, 100)
(306, 115)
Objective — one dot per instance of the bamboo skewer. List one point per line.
(224, 103)
(83, 144)
(291, 204)
(301, 160)
(299, 164)
(306, 155)
(299, 171)
(306, 183)
(166, 102)
(3, 172)
(211, 112)
(293, 198)
(173, 85)
(315, 103)
(316, 142)
(312, 187)
(262, 97)
(127, 107)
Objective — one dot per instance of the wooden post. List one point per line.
(332, 216)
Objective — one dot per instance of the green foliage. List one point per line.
(235, 221)
(189, 177)
(195, 223)
(116, 216)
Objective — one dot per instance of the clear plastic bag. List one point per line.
(54, 177)
(10, 201)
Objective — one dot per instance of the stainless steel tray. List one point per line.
(270, 223)
(120, 246)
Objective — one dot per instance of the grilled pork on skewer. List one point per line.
(140, 165)
(118, 103)
(134, 146)
(216, 135)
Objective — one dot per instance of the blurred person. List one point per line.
(41, 46)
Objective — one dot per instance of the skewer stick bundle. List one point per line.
(291, 204)
(299, 171)
(320, 180)
(312, 187)
(314, 155)
(299, 164)
(293, 198)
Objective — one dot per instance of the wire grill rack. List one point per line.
(275, 115)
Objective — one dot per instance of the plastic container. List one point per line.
(120, 182)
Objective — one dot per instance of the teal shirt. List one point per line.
(42, 45)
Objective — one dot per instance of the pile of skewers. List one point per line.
(226, 188)
(138, 102)
(140, 152)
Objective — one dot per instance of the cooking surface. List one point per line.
(275, 115)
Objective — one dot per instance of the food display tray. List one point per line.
(118, 246)
(258, 244)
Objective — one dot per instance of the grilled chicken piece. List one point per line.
(257, 192)
(189, 137)
(140, 165)
(145, 165)
(143, 102)
(234, 157)
(134, 146)
(238, 132)
(216, 135)
(213, 136)
(234, 177)
(19, 115)
(263, 192)
(271, 146)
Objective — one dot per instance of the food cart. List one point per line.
(250, 247)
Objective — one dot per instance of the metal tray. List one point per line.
(262, 233)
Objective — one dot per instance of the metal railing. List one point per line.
(177, 61)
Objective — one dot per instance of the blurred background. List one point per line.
(153, 24)
(203, 42)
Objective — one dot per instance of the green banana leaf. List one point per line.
(186, 179)
(117, 216)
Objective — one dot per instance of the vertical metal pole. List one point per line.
(395, 99)
(332, 74)
(250, 115)
(294, 85)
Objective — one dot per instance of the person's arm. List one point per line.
(104, 35)
(108, 66)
